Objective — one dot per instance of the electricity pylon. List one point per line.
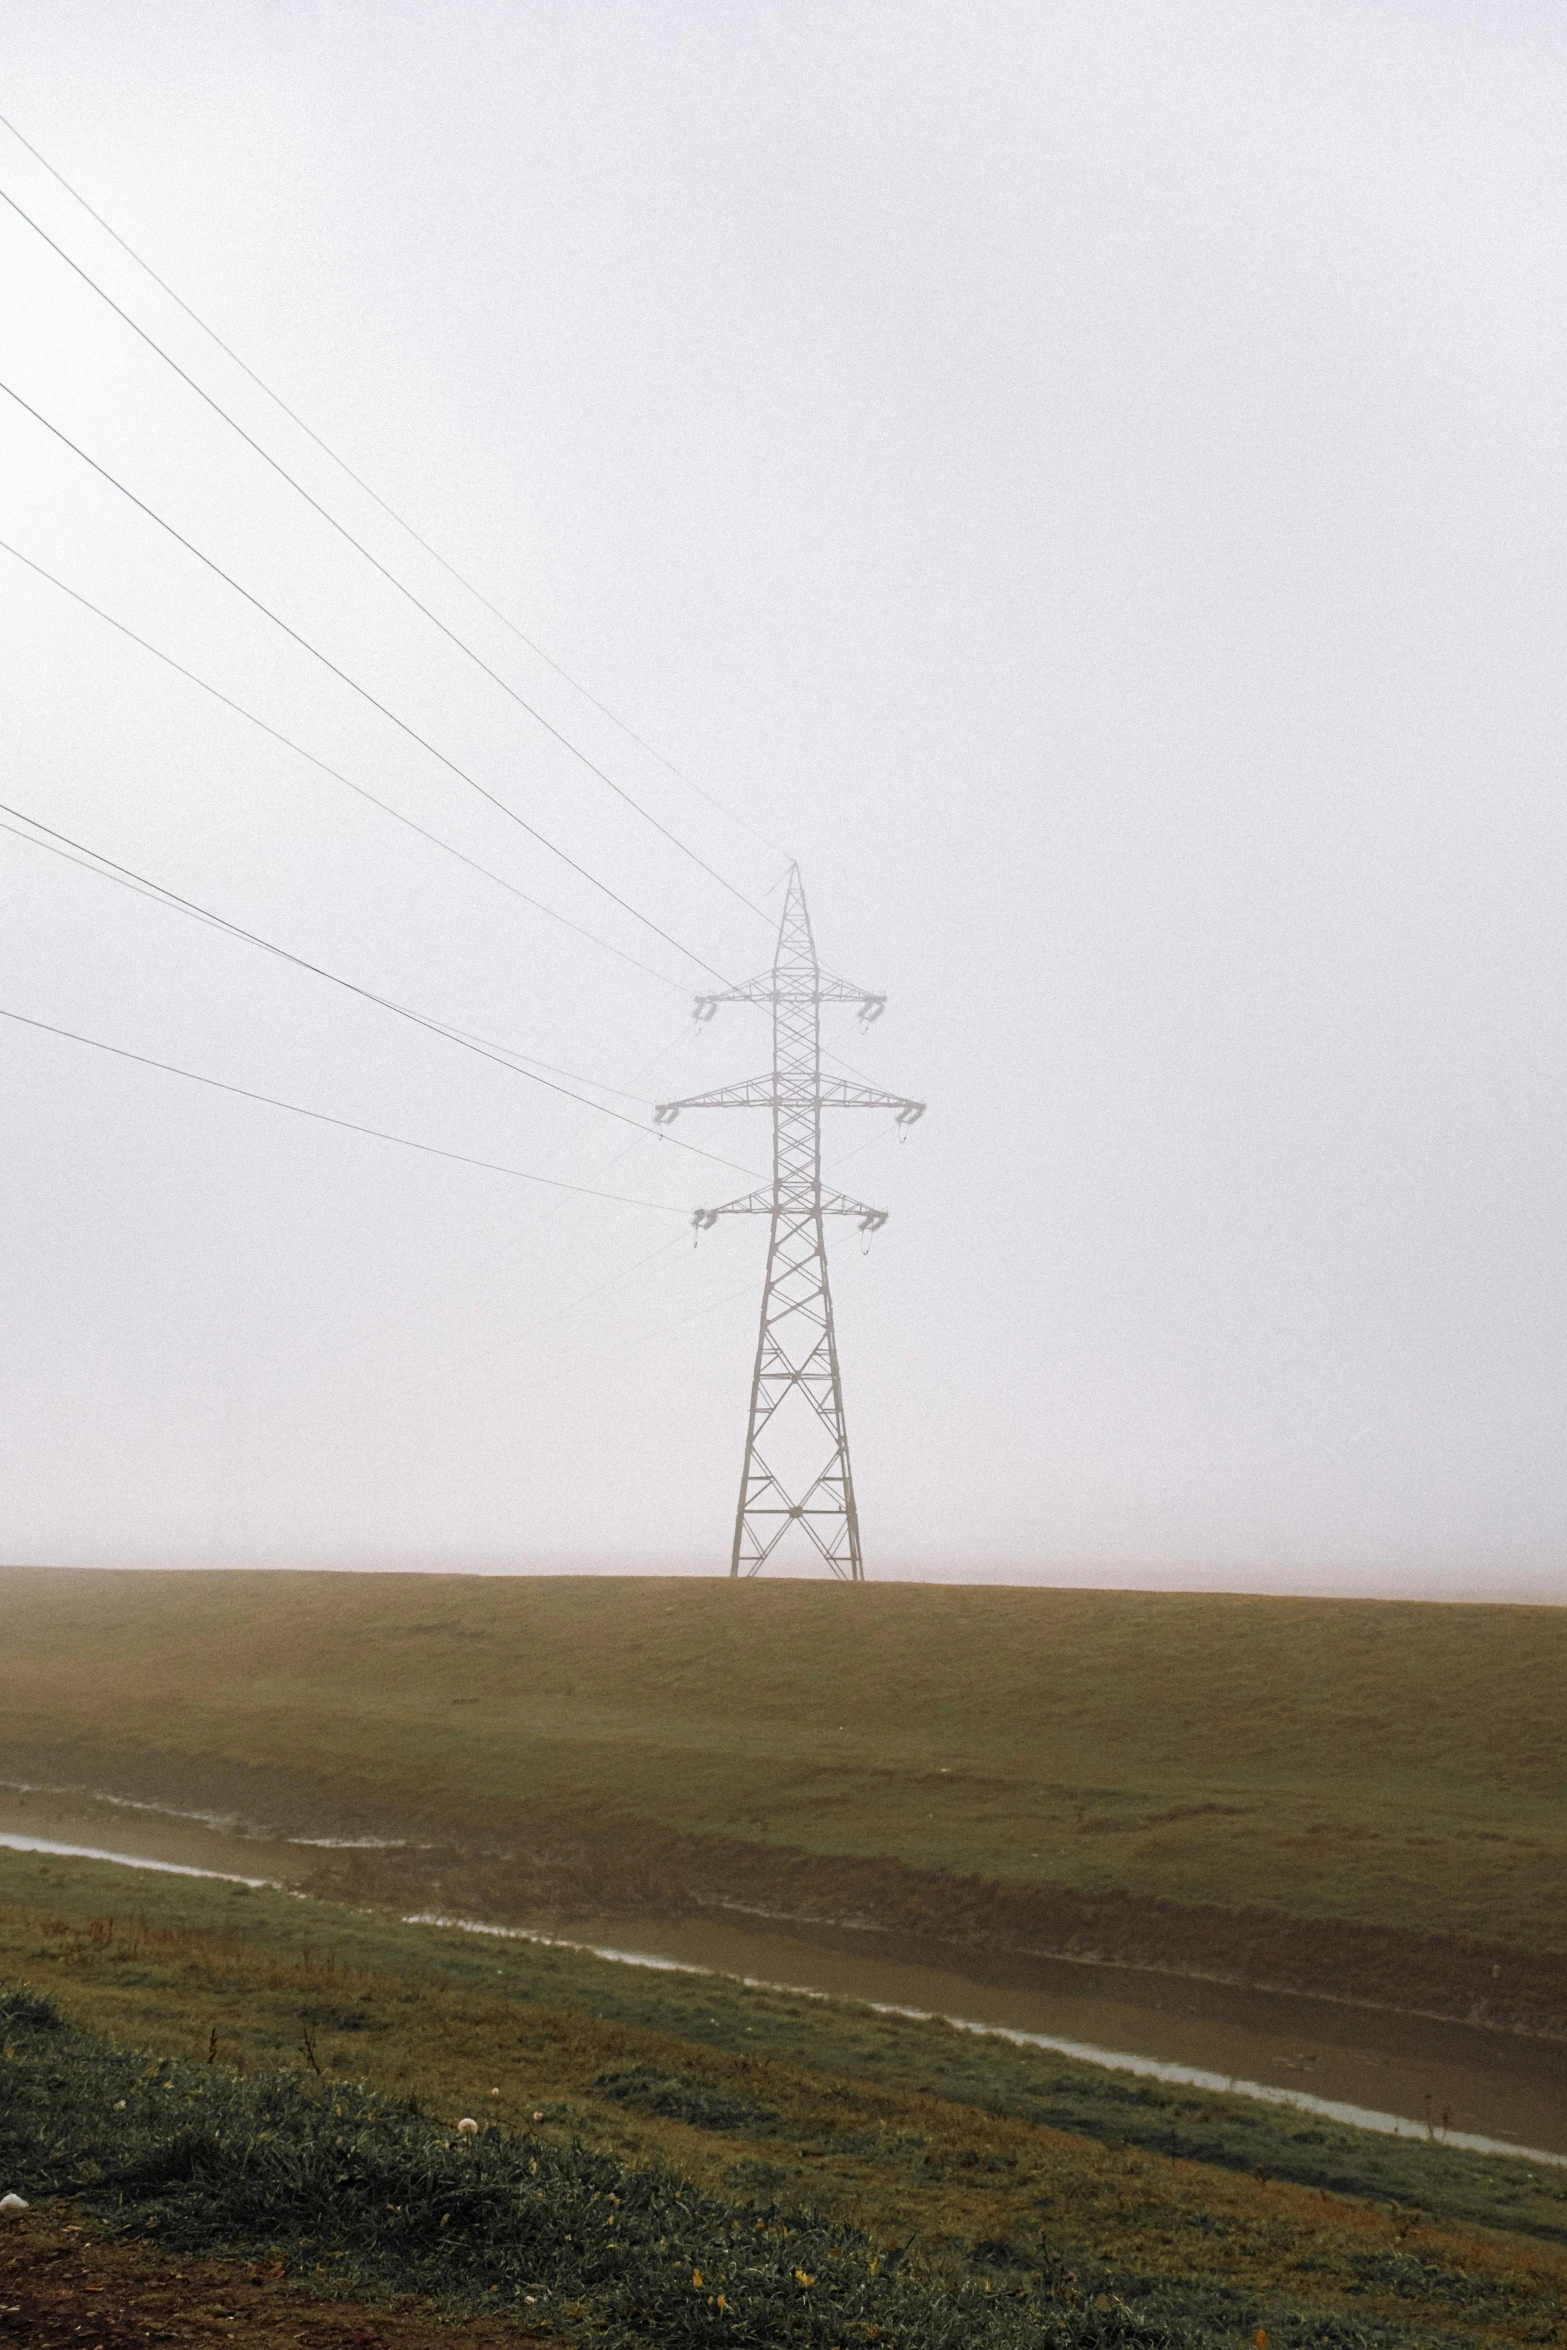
(796, 1391)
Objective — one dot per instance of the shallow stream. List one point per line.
(1492, 2091)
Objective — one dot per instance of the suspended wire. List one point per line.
(385, 807)
(90, 860)
(541, 1322)
(105, 868)
(646, 1337)
(406, 1313)
(353, 684)
(503, 1056)
(850, 1067)
(360, 483)
(493, 1256)
(455, 1367)
(621, 1093)
(545, 1322)
(643, 1338)
(326, 1118)
(880, 1135)
(585, 1296)
(336, 774)
(376, 564)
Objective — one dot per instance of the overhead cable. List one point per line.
(375, 497)
(326, 1118)
(550, 1321)
(353, 684)
(376, 564)
(503, 1056)
(358, 789)
(90, 860)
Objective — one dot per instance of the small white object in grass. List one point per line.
(10, 2204)
(495, 2092)
(119, 2105)
(467, 2127)
(538, 2117)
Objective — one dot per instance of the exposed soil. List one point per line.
(63, 2286)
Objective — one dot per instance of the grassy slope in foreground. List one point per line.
(1400, 1764)
(965, 2152)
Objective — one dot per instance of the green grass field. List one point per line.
(1403, 1766)
(682, 2124)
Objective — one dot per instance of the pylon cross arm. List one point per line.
(762, 1203)
(798, 985)
(840, 1093)
(780, 1091)
(751, 1093)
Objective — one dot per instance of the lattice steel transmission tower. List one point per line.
(804, 1479)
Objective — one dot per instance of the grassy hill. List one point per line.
(235, 2069)
(1352, 1765)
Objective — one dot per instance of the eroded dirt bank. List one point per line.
(1265, 2000)
(516, 1864)
(563, 1865)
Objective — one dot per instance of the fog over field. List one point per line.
(1087, 481)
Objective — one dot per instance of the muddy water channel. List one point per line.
(1463, 2083)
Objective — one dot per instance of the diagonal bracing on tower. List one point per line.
(797, 1446)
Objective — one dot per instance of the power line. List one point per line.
(503, 1056)
(401, 521)
(455, 1367)
(661, 1329)
(376, 564)
(549, 1321)
(352, 683)
(493, 1256)
(336, 774)
(103, 868)
(325, 1117)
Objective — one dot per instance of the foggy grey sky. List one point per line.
(1087, 480)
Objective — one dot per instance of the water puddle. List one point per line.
(1358, 2117)
(141, 1835)
(168, 1868)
